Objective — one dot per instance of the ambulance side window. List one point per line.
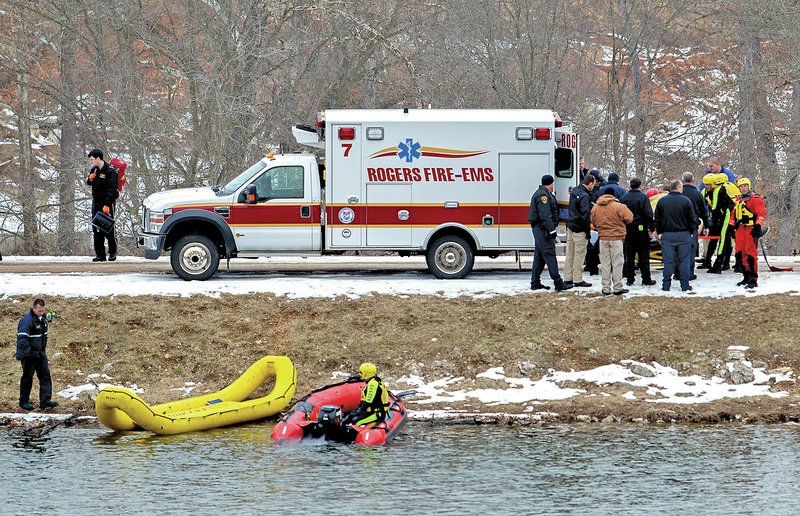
(280, 182)
(564, 163)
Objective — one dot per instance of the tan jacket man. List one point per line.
(610, 217)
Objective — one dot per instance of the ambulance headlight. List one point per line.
(156, 220)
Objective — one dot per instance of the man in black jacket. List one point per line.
(578, 231)
(543, 216)
(637, 237)
(701, 210)
(32, 353)
(675, 222)
(103, 180)
(592, 265)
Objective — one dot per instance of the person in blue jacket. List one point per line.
(715, 167)
(32, 353)
(612, 187)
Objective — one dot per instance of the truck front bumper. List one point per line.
(152, 243)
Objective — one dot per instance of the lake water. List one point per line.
(581, 469)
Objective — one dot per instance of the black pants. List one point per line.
(711, 244)
(544, 253)
(40, 366)
(637, 247)
(593, 258)
(100, 237)
(724, 249)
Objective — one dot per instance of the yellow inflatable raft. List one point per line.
(121, 409)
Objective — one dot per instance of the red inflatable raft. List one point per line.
(320, 414)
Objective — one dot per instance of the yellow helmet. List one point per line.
(367, 370)
(708, 179)
(743, 181)
(720, 179)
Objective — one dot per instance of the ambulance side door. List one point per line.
(519, 176)
(345, 192)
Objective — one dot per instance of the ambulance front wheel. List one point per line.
(450, 257)
(194, 257)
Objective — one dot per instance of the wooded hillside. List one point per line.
(190, 92)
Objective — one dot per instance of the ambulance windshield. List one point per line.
(241, 179)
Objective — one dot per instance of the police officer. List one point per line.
(103, 180)
(543, 216)
(374, 398)
(31, 352)
(637, 235)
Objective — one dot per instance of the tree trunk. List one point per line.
(27, 175)
(68, 152)
(747, 97)
(638, 122)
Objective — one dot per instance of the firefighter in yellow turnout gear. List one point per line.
(374, 398)
(723, 202)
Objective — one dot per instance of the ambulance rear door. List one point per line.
(566, 168)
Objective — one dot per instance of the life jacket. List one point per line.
(750, 210)
(376, 396)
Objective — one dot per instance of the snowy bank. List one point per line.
(498, 277)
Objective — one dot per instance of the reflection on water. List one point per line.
(586, 469)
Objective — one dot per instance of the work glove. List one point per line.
(92, 176)
(737, 224)
(552, 235)
(106, 210)
(756, 231)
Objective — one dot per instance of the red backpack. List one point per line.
(120, 165)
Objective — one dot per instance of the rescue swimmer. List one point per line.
(723, 203)
(374, 398)
(751, 214)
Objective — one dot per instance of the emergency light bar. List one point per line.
(347, 133)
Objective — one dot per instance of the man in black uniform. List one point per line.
(103, 180)
(700, 209)
(543, 216)
(675, 223)
(32, 353)
(637, 236)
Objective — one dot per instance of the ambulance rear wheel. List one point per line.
(450, 257)
(194, 257)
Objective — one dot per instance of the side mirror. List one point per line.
(250, 195)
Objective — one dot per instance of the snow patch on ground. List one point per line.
(479, 284)
(666, 386)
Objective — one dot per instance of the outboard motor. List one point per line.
(328, 421)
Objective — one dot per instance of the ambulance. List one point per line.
(447, 184)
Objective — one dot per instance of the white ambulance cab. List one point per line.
(449, 184)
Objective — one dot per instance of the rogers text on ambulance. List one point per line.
(432, 174)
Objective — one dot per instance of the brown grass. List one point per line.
(160, 343)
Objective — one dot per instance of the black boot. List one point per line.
(745, 279)
(752, 283)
